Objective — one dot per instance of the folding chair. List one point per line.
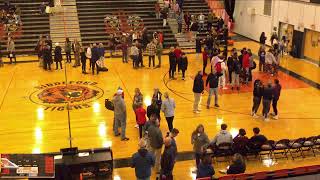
(281, 147)
(223, 150)
(295, 147)
(281, 173)
(308, 145)
(267, 149)
(260, 175)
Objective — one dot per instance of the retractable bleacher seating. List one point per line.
(34, 25)
(92, 13)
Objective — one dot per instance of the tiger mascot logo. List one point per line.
(65, 94)
(61, 95)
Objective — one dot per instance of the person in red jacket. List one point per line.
(141, 118)
(205, 57)
(177, 51)
(246, 64)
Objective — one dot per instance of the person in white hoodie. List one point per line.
(270, 60)
(222, 79)
(167, 107)
(222, 137)
(89, 54)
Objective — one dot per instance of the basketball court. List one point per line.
(34, 109)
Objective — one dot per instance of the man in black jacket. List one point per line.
(172, 62)
(167, 160)
(198, 88)
(213, 81)
(257, 95)
(276, 96)
(94, 58)
(267, 97)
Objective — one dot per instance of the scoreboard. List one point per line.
(29, 166)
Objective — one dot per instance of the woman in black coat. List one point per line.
(263, 38)
(58, 56)
(184, 65)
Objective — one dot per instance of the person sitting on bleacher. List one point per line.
(257, 140)
(222, 137)
(205, 168)
(238, 165)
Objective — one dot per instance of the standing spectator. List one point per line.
(159, 53)
(83, 58)
(58, 55)
(137, 102)
(168, 106)
(11, 50)
(262, 58)
(151, 51)
(42, 8)
(223, 72)
(178, 54)
(200, 141)
(198, 88)
(124, 48)
(238, 165)
(263, 38)
(67, 50)
(47, 57)
(157, 10)
(257, 96)
(187, 20)
(210, 21)
(201, 22)
(153, 108)
(179, 21)
(167, 160)
(142, 161)
(230, 63)
(267, 98)
(76, 50)
(222, 137)
(246, 65)
(94, 58)
(205, 57)
(173, 134)
(269, 61)
(205, 168)
(176, 9)
(89, 54)
(101, 50)
(172, 62)
(198, 45)
(39, 47)
(120, 115)
(164, 13)
(184, 65)
(156, 142)
(141, 118)
(252, 65)
(213, 81)
(236, 74)
(276, 96)
(157, 95)
(135, 55)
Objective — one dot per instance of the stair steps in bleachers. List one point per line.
(92, 13)
(65, 23)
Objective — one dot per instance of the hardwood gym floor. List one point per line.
(33, 119)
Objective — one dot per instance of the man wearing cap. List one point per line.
(142, 161)
(120, 115)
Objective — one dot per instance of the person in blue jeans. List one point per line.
(213, 81)
(143, 161)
